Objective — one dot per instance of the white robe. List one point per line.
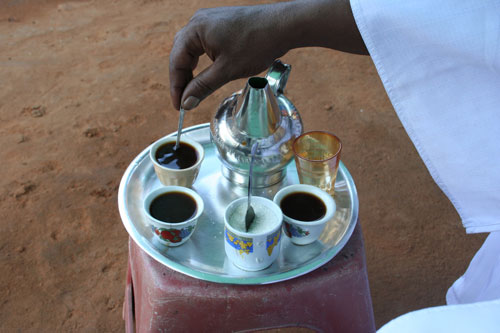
(439, 62)
(477, 317)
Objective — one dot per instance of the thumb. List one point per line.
(205, 83)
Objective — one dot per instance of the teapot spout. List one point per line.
(258, 114)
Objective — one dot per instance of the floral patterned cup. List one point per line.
(258, 248)
(305, 232)
(173, 234)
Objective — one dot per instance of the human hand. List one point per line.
(244, 41)
(241, 42)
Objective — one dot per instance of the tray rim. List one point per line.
(274, 278)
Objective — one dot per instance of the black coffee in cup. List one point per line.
(173, 207)
(183, 157)
(303, 206)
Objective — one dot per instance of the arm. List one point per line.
(244, 41)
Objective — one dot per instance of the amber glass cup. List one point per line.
(317, 157)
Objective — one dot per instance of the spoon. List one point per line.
(250, 215)
(179, 128)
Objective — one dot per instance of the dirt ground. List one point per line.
(84, 89)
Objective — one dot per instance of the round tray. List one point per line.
(203, 256)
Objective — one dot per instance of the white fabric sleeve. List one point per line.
(481, 281)
(439, 62)
(452, 318)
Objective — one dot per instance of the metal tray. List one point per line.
(203, 256)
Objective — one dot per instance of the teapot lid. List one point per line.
(258, 115)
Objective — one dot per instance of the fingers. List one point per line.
(232, 37)
(183, 87)
(183, 59)
(205, 83)
(178, 80)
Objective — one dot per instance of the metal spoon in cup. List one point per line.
(250, 215)
(179, 128)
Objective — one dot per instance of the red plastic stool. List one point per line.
(333, 298)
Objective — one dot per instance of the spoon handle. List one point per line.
(250, 171)
(179, 128)
(250, 215)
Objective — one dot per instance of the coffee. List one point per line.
(183, 157)
(303, 206)
(173, 207)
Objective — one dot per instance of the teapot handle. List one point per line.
(277, 76)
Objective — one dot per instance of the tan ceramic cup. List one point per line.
(178, 177)
(317, 157)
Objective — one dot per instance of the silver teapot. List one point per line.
(257, 115)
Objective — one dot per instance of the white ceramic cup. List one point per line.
(305, 232)
(248, 250)
(173, 234)
(179, 177)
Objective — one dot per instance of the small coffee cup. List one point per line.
(179, 168)
(306, 210)
(173, 212)
(257, 248)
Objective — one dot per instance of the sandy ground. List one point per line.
(84, 89)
